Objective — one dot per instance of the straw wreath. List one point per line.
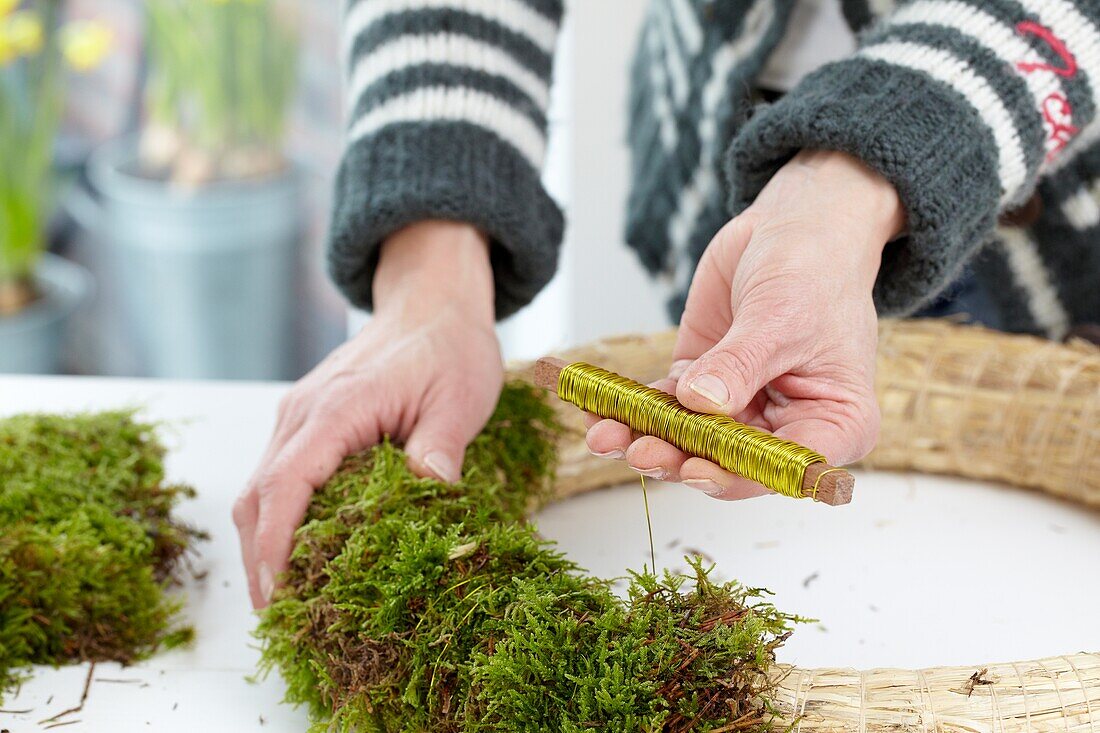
(958, 400)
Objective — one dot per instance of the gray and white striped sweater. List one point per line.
(971, 108)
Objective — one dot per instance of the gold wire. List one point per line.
(649, 525)
(742, 449)
(813, 494)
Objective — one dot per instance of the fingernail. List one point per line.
(442, 466)
(615, 455)
(267, 581)
(678, 368)
(711, 388)
(707, 486)
(657, 473)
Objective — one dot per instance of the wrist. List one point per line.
(434, 265)
(855, 208)
(858, 190)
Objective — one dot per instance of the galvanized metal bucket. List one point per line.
(206, 276)
(31, 340)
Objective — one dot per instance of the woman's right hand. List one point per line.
(426, 371)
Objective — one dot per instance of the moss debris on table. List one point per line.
(415, 605)
(88, 544)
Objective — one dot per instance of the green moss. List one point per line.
(411, 605)
(87, 542)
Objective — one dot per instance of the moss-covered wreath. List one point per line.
(413, 605)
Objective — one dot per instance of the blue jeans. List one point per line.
(967, 297)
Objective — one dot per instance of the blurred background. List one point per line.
(166, 175)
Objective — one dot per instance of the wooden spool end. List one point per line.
(834, 486)
(547, 370)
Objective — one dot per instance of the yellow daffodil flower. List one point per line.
(20, 35)
(6, 6)
(23, 30)
(85, 43)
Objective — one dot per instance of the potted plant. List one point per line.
(201, 211)
(38, 291)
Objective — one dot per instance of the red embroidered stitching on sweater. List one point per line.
(1056, 109)
(1058, 113)
(1056, 45)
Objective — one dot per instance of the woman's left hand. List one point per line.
(780, 329)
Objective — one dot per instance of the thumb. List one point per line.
(726, 378)
(437, 443)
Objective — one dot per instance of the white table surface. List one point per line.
(918, 571)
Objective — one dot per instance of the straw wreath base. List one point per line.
(1058, 694)
(957, 400)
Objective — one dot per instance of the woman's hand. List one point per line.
(780, 329)
(425, 371)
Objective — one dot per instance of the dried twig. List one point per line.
(83, 697)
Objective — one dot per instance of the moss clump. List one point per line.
(411, 605)
(87, 542)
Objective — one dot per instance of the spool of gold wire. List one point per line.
(781, 465)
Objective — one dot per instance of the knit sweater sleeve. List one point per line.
(961, 104)
(447, 120)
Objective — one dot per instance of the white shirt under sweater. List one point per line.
(816, 35)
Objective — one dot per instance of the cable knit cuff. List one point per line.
(411, 172)
(919, 133)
